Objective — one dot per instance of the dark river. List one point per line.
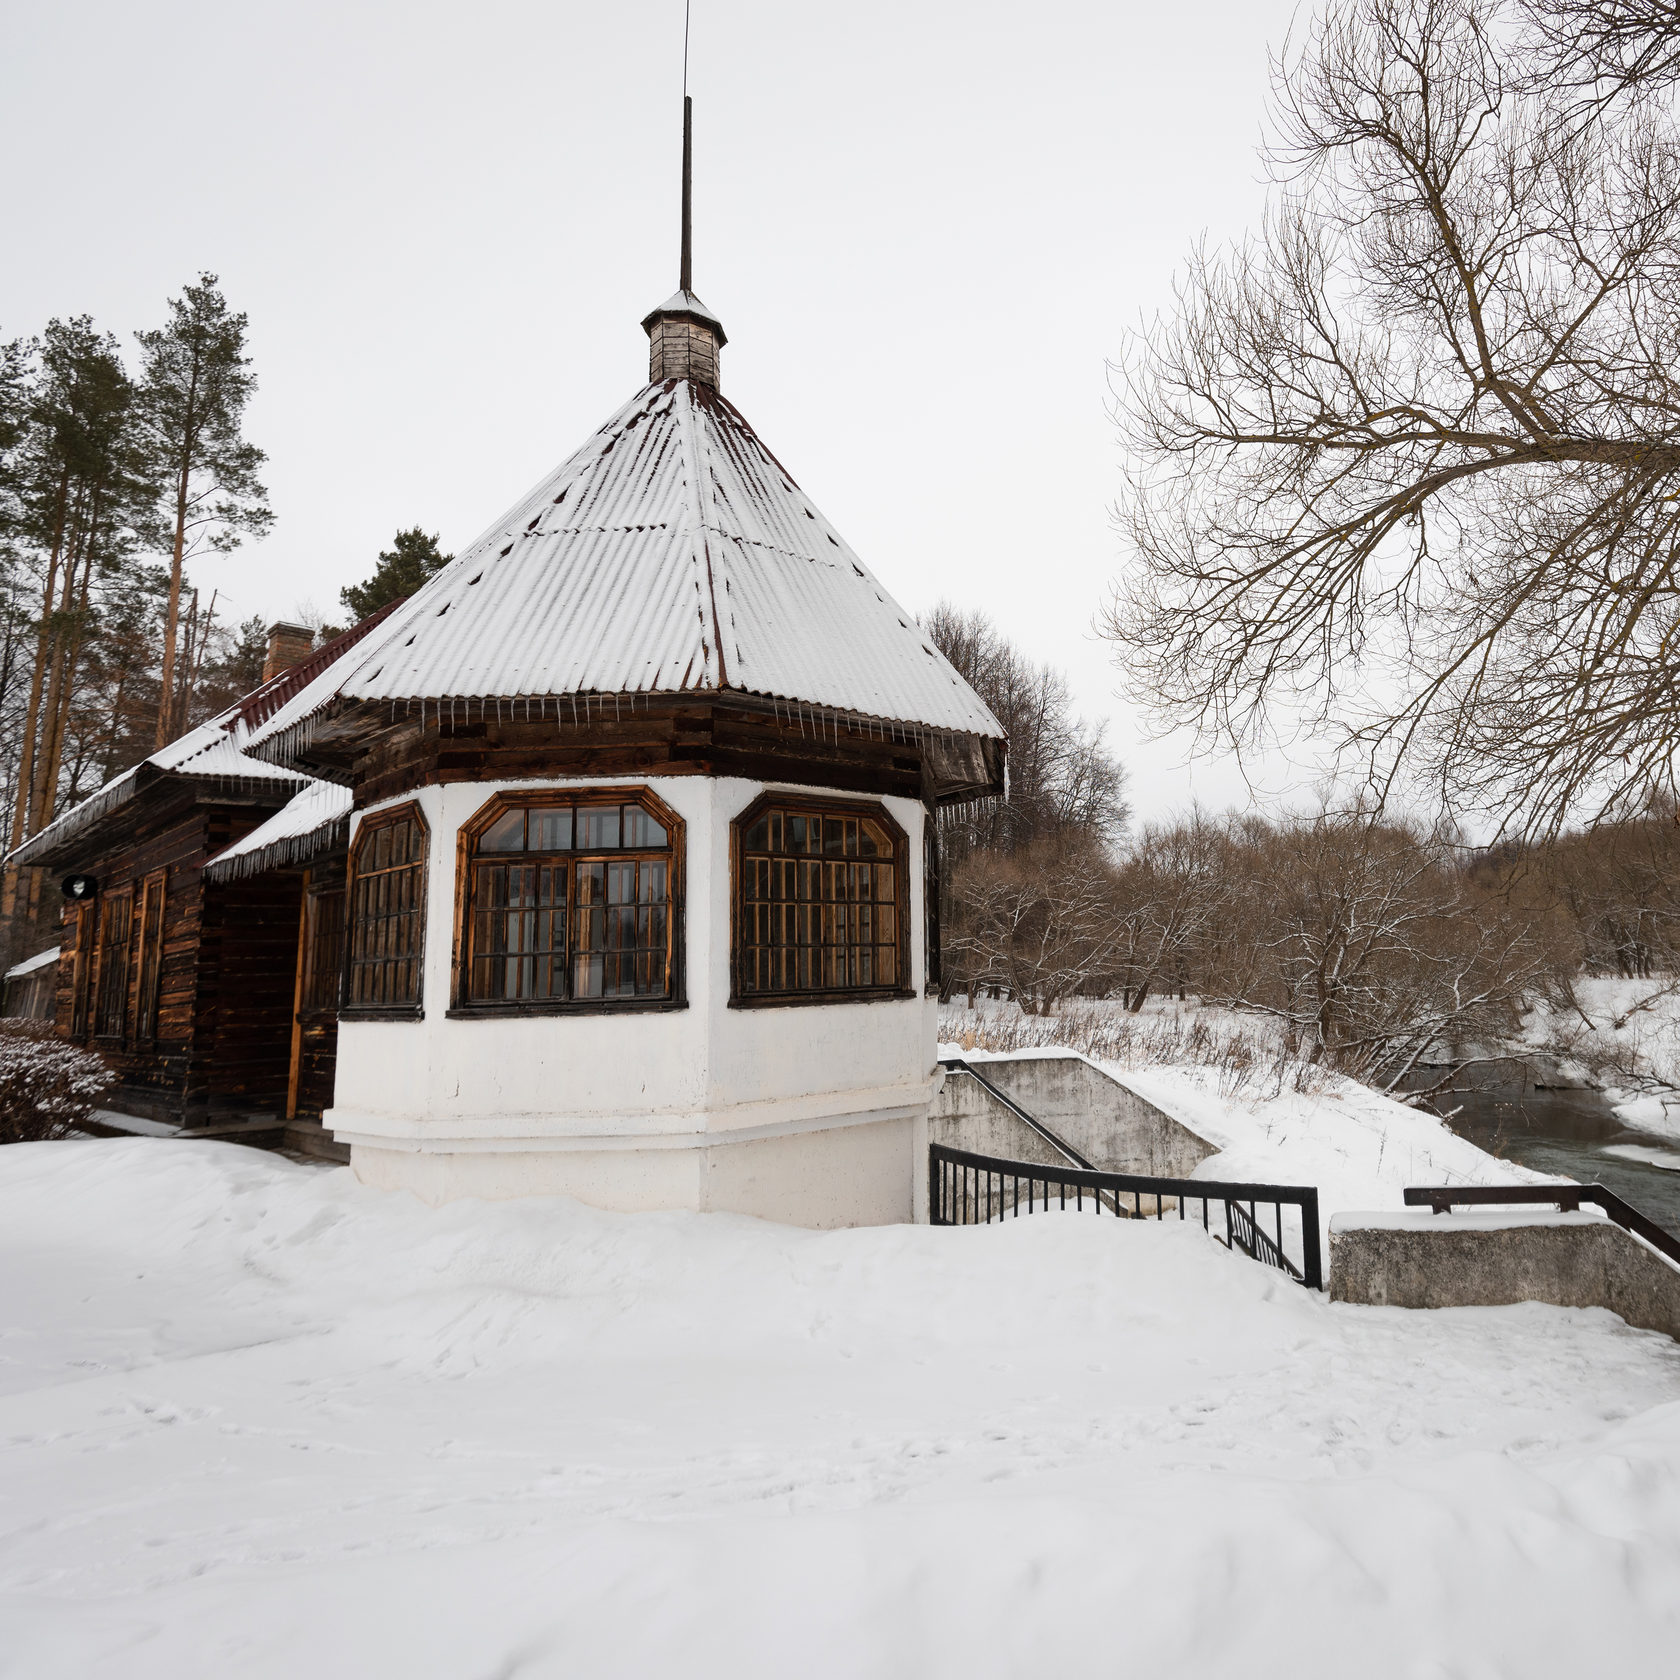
(1573, 1133)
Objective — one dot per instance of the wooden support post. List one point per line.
(296, 1068)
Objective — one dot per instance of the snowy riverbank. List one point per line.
(259, 1420)
(1623, 1037)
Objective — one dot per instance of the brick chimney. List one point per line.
(288, 645)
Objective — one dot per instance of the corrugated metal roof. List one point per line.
(263, 702)
(313, 822)
(671, 554)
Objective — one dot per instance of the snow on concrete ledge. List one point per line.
(1423, 1220)
(1497, 1259)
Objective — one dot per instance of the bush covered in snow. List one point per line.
(46, 1085)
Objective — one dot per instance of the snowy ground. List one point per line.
(258, 1421)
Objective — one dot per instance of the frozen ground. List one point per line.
(260, 1422)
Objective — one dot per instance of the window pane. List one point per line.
(597, 828)
(387, 915)
(640, 830)
(561, 928)
(815, 903)
(506, 834)
(550, 830)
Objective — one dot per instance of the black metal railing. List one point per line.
(967, 1189)
(1567, 1198)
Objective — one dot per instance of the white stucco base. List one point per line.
(825, 1178)
(806, 1114)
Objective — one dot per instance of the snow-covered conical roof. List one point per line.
(671, 554)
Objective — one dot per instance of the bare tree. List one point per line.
(1025, 881)
(1039, 924)
(1604, 50)
(1173, 890)
(1063, 779)
(1371, 946)
(1408, 461)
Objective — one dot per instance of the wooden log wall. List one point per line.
(247, 967)
(172, 1075)
(700, 740)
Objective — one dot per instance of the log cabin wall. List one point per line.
(247, 962)
(698, 740)
(321, 966)
(171, 1070)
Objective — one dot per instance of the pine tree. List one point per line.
(233, 666)
(82, 487)
(402, 569)
(195, 383)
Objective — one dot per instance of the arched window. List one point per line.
(821, 903)
(570, 899)
(387, 914)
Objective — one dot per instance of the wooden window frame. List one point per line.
(370, 825)
(466, 852)
(108, 904)
(153, 890)
(322, 965)
(817, 805)
(82, 977)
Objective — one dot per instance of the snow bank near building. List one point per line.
(258, 1420)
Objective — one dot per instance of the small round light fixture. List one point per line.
(78, 887)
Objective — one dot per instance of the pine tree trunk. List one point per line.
(172, 619)
(37, 682)
(48, 755)
(186, 453)
(70, 653)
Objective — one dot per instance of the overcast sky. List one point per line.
(925, 226)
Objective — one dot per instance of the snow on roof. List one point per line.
(671, 554)
(212, 751)
(686, 303)
(315, 820)
(41, 959)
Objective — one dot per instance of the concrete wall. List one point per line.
(1494, 1259)
(554, 1089)
(1108, 1123)
(825, 1177)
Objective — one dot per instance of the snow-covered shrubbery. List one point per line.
(46, 1085)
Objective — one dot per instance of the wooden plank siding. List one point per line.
(695, 741)
(222, 1041)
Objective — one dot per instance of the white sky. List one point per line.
(925, 226)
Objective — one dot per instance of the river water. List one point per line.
(1577, 1135)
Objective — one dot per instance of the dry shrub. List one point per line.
(46, 1085)
(1258, 1061)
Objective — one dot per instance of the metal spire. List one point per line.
(686, 282)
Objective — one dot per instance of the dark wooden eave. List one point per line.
(384, 750)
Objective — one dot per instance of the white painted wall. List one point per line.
(584, 1089)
